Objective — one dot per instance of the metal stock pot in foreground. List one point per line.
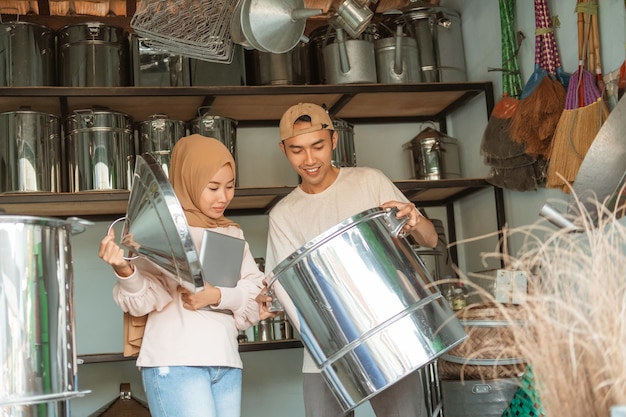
(36, 314)
(369, 313)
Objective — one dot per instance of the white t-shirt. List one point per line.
(300, 217)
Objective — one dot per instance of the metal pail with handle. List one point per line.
(367, 309)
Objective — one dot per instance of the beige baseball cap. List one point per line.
(320, 119)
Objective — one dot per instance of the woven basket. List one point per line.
(489, 351)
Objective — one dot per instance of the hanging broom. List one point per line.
(511, 167)
(584, 113)
(537, 113)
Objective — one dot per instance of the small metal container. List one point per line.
(434, 156)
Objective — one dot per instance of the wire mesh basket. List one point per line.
(195, 28)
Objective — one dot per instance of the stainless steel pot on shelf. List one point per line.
(100, 148)
(221, 128)
(93, 54)
(28, 55)
(369, 313)
(158, 135)
(30, 152)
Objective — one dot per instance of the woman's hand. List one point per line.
(210, 296)
(111, 253)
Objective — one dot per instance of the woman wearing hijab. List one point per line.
(189, 357)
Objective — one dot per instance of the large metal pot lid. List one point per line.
(601, 173)
(274, 26)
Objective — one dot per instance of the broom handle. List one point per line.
(596, 48)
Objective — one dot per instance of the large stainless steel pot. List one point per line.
(37, 348)
(27, 55)
(30, 152)
(369, 313)
(93, 54)
(157, 68)
(289, 68)
(344, 154)
(157, 135)
(100, 147)
(437, 31)
(218, 127)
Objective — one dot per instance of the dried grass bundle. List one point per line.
(575, 337)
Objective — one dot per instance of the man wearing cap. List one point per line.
(326, 196)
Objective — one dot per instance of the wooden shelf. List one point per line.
(257, 105)
(243, 347)
(246, 201)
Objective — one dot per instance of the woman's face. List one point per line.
(218, 193)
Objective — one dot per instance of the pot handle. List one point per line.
(128, 258)
(397, 63)
(394, 223)
(343, 51)
(78, 225)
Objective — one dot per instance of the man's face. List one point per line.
(310, 155)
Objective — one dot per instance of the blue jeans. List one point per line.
(193, 391)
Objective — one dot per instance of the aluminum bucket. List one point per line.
(158, 136)
(100, 147)
(93, 55)
(37, 348)
(344, 154)
(30, 152)
(27, 55)
(369, 313)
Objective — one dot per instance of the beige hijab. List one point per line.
(195, 161)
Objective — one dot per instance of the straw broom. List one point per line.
(585, 110)
(543, 97)
(511, 167)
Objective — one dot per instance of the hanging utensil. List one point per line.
(275, 26)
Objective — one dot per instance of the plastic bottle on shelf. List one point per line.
(459, 299)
